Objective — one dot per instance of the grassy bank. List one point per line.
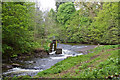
(102, 62)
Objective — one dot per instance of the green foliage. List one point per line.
(65, 10)
(77, 28)
(107, 32)
(58, 4)
(104, 70)
(45, 45)
(39, 27)
(24, 29)
(14, 55)
(93, 23)
(46, 48)
(17, 28)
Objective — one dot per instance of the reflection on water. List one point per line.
(33, 66)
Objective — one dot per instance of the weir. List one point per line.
(53, 47)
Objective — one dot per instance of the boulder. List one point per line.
(31, 62)
(6, 66)
(58, 51)
(16, 65)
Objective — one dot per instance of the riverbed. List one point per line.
(34, 65)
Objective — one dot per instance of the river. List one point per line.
(34, 65)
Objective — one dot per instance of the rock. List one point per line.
(6, 66)
(58, 51)
(16, 65)
(31, 62)
(40, 53)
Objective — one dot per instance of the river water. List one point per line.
(34, 65)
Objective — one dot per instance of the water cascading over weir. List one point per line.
(53, 47)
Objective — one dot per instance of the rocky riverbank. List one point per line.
(14, 61)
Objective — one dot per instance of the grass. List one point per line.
(93, 65)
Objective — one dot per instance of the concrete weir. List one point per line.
(53, 47)
(58, 51)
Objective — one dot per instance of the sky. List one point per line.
(46, 4)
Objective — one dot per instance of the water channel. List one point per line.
(34, 65)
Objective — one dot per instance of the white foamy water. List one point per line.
(66, 53)
(79, 54)
(62, 57)
(19, 70)
(52, 52)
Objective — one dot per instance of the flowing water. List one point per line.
(34, 65)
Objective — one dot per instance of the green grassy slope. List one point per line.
(101, 63)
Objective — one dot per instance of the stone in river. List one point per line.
(16, 65)
(31, 62)
(58, 51)
(6, 66)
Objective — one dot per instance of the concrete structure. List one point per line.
(53, 47)
(58, 51)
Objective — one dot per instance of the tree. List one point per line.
(65, 10)
(77, 27)
(17, 28)
(51, 26)
(58, 4)
(89, 9)
(105, 27)
(93, 23)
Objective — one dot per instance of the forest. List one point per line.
(26, 28)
